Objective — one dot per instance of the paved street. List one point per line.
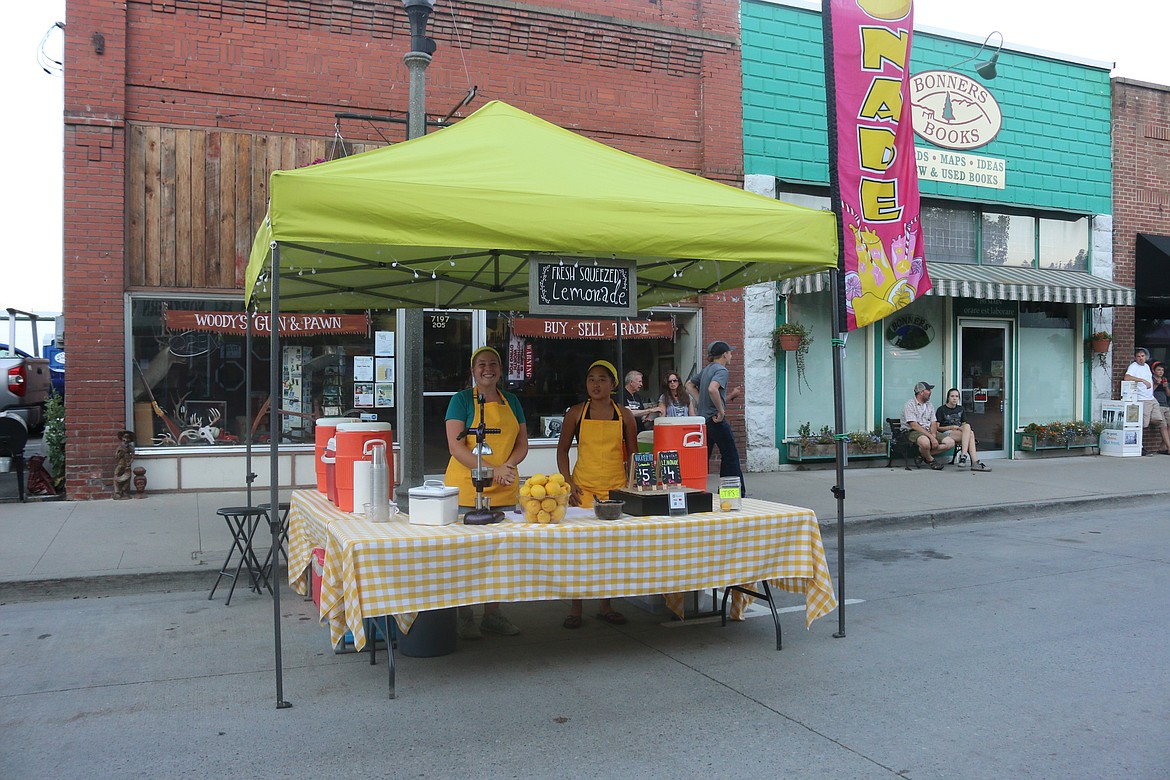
(999, 649)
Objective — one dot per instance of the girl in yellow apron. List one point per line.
(606, 434)
(501, 410)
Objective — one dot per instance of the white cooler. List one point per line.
(434, 504)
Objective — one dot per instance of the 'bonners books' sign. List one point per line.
(570, 285)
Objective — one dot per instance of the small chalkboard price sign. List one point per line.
(669, 469)
(642, 467)
(574, 285)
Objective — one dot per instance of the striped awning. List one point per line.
(999, 283)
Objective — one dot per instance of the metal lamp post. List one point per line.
(410, 321)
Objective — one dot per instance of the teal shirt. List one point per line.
(463, 407)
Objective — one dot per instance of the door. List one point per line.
(447, 340)
(985, 382)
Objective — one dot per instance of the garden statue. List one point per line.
(139, 481)
(123, 461)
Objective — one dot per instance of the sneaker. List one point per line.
(467, 627)
(496, 623)
(980, 466)
(963, 459)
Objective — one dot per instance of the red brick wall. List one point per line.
(657, 78)
(93, 241)
(1141, 190)
(723, 320)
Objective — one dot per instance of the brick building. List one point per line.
(177, 111)
(1141, 212)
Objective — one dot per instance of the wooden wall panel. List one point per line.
(195, 197)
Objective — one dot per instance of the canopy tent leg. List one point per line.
(274, 463)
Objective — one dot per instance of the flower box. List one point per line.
(1032, 443)
(800, 452)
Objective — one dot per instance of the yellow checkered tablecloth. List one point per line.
(310, 513)
(395, 568)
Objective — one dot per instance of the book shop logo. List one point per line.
(953, 111)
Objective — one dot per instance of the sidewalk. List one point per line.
(172, 540)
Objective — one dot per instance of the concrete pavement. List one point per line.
(172, 539)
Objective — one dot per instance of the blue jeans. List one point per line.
(719, 435)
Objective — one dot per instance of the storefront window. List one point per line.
(1009, 239)
(189, 358)
(814, 403)
(949, 234)
(1064, 244)
(547, 357)
(909, 361)
(1047, 386)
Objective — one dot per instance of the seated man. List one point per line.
(920, 427)
(1152, 411)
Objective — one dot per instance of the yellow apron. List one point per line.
(601, 455)
(498, 415)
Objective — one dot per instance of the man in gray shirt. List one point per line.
(711, 388)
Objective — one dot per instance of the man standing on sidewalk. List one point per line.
(711, 388)
(1139, 372)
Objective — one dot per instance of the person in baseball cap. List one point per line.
(717, 348)
(920, 427)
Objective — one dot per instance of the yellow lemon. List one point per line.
(537, 491)
(559, 478)
(543, 517)
(549, 504)
(525, 491)
(558, 514)
(725, 506)
(532, 505)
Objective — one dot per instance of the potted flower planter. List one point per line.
(1099, 346)
(789, 342)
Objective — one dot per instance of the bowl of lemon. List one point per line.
(544, 498)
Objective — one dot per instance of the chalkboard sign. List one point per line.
(669, 470)
(572, 285)
(643, 471)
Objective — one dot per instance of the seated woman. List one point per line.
(606, 435)
(952, 419)
(676, 400)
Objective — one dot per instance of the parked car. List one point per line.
(26, 381)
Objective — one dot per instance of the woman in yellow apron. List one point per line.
(501, 410)
(606, 435)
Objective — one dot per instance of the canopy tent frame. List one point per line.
(451, 234)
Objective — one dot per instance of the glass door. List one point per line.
(985, 383)
(447, 340)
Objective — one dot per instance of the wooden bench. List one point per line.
(900, 448)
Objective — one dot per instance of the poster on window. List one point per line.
(383, 369)
(383, 394)
(363, 395)
(363, 368)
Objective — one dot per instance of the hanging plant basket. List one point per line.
(789, 342)
(1099, 346)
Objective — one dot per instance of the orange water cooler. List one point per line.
(687, 435)
(351, 443)
(323, 430)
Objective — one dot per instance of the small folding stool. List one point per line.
(242, 521)
(283, 508)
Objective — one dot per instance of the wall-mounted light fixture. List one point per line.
(985, 69)
(99, 43)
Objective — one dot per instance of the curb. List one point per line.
(993, 511)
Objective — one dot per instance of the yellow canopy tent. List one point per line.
(451, 218)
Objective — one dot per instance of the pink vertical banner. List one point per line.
(873, 143)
